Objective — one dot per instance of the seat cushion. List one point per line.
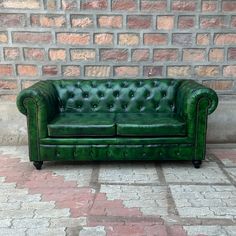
(150, 124)
(82, 124)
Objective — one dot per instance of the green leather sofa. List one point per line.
(117, 119)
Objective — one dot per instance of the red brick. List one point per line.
(232, 54)
(150, 5)
(11, 54)
(229, 6)
(124, 5)
(32, 37)
(20, 4)
(216, 54)
(83, 54)
(229, 71)
(165, 22)
(183, 5)
(219, 84)
(140, 55)
(152, 71)
(212, 22)
(207, 71)
(209, 6)
(155, 39)
(27, 70)
(178, 71)
(71, 70)
(82, 21)
(113, 54)
(8, 85)
(73, 38)
(12, 20)
(97, 71)
(50, 70)
(186, 22)
(165, 55)
(3, 37)
(128, 39)
(37, 54)
(6, 70)
(103, 39)
(233, 21)
(126, 71)
(139, 22)
(57, 54)
(203, 39)
(225, 39)
(50, 4)
(110, 21)
(193, 54)
(48, 20)
(94, 4)
(69, 4)
(182, 39)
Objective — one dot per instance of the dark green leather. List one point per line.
(117, 95)
(68, 124)
(150, 124)
(78, 124)
(136, 119)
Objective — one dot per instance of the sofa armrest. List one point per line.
(189, 95)
(41, 101)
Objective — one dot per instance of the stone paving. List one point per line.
(118, 199)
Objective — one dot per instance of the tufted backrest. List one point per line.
(120, 95)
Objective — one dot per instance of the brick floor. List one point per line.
(118, 199)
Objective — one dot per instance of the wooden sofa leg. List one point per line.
(38, 164)
(197, 163)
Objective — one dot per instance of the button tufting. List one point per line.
(93, 84)
(131, 94)
(147, 93)
(164, 94)
(110, 106)
(116, 94)
(155, 84)
(100, 94)
(85, 95)
(124, 84)
(108, 84)
(79, 105)
(140, 83)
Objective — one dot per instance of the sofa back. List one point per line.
(117, 95)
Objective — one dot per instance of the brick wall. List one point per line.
(51, 39)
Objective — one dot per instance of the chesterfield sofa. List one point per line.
(117, 119)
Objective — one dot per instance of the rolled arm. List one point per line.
(44, 96)
(190, 93)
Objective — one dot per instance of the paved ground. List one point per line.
(132, 199)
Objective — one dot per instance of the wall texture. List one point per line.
(42, 39)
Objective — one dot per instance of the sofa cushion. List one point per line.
(82, 124)
(150, 124)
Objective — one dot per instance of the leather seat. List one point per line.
(150, 124)
(68, 124)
